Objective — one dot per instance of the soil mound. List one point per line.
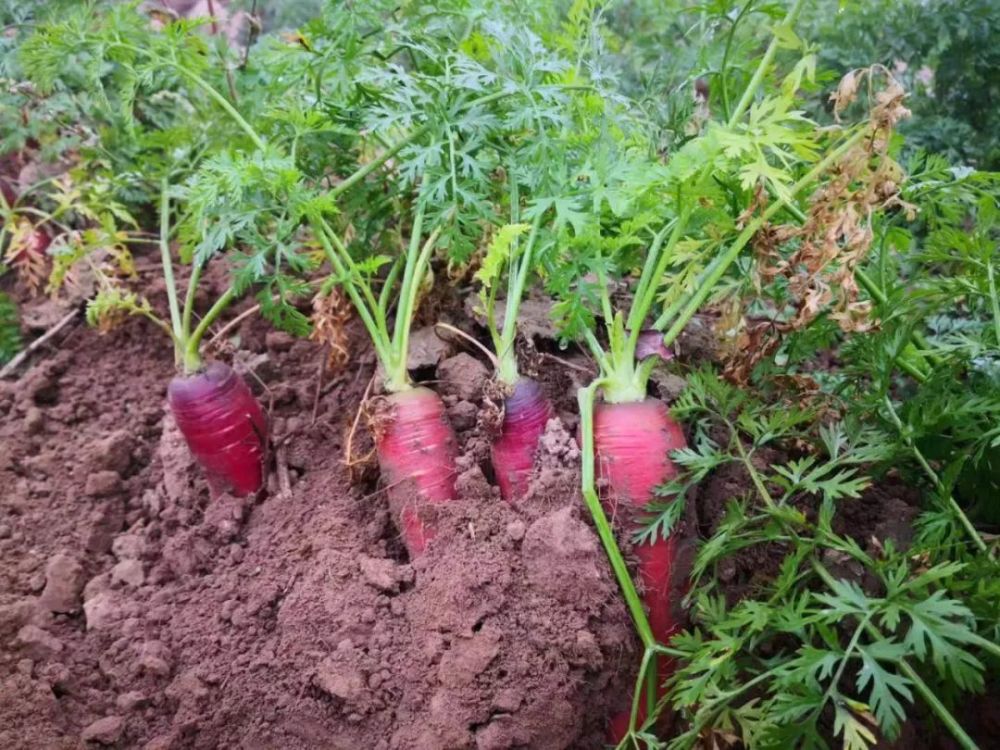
(137, 612)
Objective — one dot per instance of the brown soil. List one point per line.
(137, 613)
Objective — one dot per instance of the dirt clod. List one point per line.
(37, 644)
(101, 610)
(63, 584)
(426, 348)
(106, 731)
(103, 483)
(378, 573)
(463, 376)
(131, 701)
(128, 572)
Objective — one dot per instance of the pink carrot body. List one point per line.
(416, 444)
(526, 412)
(223, 425)
(632, 443)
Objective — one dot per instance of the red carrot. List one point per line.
(219, 418)
(526, 409)
(526, 412)
(632, 443)
(36, 243)
(416, 445)
(626, 441)
(223, 425)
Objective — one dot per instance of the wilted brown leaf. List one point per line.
(330, 316)
(817, 259)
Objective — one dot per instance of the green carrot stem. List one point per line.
(932, 701)
(390, 281)
(376, 330)
(223, 102)
(166, 260)
(377, 162)
(399, 379)
(517, 282)
(191, 359)
(994, 300)
(192, 288)
(648, 656)
(643, 303)
(647, 278)
(953, 505)
(725, 56)
(412, 255)
(596, 350)
(765, 62)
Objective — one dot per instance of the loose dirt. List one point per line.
(135, 612)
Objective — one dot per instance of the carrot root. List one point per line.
(223, 425)
(526, 412)
(632, 443)
(416, 450)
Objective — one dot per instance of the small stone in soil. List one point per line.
(129, 547)
(131, 701)
(378, 573)
(464, 376)
(187, 689)
(341, 682)
(128, 572)
(97, 584)
(37, 643)
(14, 615)
(507, 701)
(115, 452)
(57, 675)
(103, 484)
(161, 742)
(63, 584)
(34, 421)
(426, 348)
(463, 415)
(154, 665)
(101, 611)
(278, 341)
(239, 617)
(516, 529)
(105, 522)
(467, 659)
(106, 731)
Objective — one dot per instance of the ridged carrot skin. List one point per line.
(416, 444)
(223, 425)
(526, 412)
(632, 443)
